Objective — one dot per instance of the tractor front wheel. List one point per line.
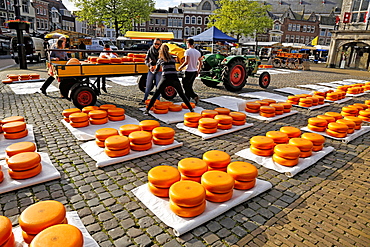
(234, 75)
(83, 96)
(141, 82)
(169, 92)
(264, 80)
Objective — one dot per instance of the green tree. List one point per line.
(120, 13)
(241, 17)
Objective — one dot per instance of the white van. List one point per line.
(98, 44)
(34, 48)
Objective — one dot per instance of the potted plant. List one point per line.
(18, 24)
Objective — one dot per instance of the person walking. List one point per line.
(169, 75)
(82, 46)
(151, 61)
(193, 63)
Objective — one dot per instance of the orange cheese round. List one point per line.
(219, 197)
(163, 132)
(238, 123)
(78, 117)
(319, 122)
(149, 125)
(117, 142)
(141, 147)
(223, 169)
(80, 125)
(262, 103)
(364, 113)
(216, 158)
(348, 114)
(10, 242)
(291, 131)
(222, 111)
(267, 109)
(14, 127)
(159, 111)
(98, 114)
(207, 130)
(175, 108)
(367, 119)
(116, 118)
(128, 128)
(20, 147)
(328, 119)
(316, 128)
(89, 108)
(303, 144)
(184, 106)
(100, 143)
(192, 117)
(270, 101)
(117, 153)
(25, 173)
(66, 119)
(163, 142)
(161, 105)
(224, 119)
(336, 134)
(187, 193)
(317, 148)
(24, 161)
(187, 212)
(350, 109)
(160, 192)
(98, 121)
(364, 106)
(163, 176)
(28, 237)
(287, 151)
(190, 124)
(208, 123)
(316, 139)
(278, 136)
(335, 115)
(242, 171)
(285, 162)
(262, 142)
(307, 101)
(263, 114)
(7, 81)
(195, 179)
(244, 185)
(305, 154)
(292, 102)
(286, 105)
(62, 235)
(104, 133)
(217, 181)
(5, 229)
(253, 106)
(238, 116)
(1, 176)
(304, 104)
(106, 107)
(350, 131)
(338, 127)
(224, 126)
(140, 137)
(16, 135)
(293, 98)
(357, 120)
(261, 152)
(252, 110)
(277, 107)
(209, 113)
(70, 111)
(115, 112)
(192, 167)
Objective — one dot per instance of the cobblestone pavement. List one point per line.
(324, 205)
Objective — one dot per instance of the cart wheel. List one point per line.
(264, 80)
(141, 82)
(169, 92)
(65, 85)
(83, 96)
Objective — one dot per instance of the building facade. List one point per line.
(42, 16)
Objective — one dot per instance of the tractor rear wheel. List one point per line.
(234, 75)
(264, 80)
(83, 96)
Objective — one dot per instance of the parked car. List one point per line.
(98, 44)
(138, 47)
(34, 48)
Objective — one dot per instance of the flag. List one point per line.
(315, 40)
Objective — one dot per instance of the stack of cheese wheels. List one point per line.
(116, 114)
(244, 174)
(24, 77)
(321, 99)
(293, 99)
(126, 129)
(219, 186)
(192, 169)
(364, 106)
(349, 111)
(343, 88)
(364, 115)
(187, 198)
(6, 234)
(140, 140)
(13, 77)
(252, 107)
(89, 108)
(20, 147)
(148, 125)
(40, 216)
(335, 115)
(222, 111)
(334, 96)
(267, 111)
(367, 102)
(15, 130)
(287, 106)
(208, 125)
(305, 102)
(316, 139)
(175, 108)
(98, 117)
(7, 81)
(315, 100)
(163, 136)
(317, 124)
(328, 119)
(292, 132)
(350, 124)
(208, 113)
(184, 106)
(24, 165)
(239, 118)
(262, 103)
(318, 93)
(286, 155)
(225, 122)
(148, 101)
(68, 112)
(262, 145)
(354, 90)
(269, 101)
(34, 76)
(337, 130)
(279, 109)
(161, 107)
(216, 160)
(102, 134)
(106, 107)
(278, 137)
(160, 179)
(358, 107)
(341, 94)
(79, 120)
(117, 146)
(66, 235)
(304, 145)
(191, 119)
(10, 120)
(357, 120)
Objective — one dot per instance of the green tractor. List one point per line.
(232, 71)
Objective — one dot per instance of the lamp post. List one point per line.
(21, 46)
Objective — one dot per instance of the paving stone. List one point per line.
(143, 240)
(154, 230)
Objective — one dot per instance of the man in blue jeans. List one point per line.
(193, 63)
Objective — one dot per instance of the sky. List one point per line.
(160, 4)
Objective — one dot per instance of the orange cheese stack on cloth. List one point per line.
(321, 99)
(222, 111)
(337, 130)
(364, 106)
(279, 109)
(161, 107)
(304, 145)
(6, 233)
(89, 108)
(239, 118)
(357, 120)
(267, 111)
(148, 125)
(116, 114)
(244, 174)
(79, 120)
(184, 106)
(305, 102)
(286, 155)
(293, 99)
(148, 101)
(13, 77)
(262, 103)
(126, 129)
(20, 147)
(7, 81)
(102, 134)
(66, 235)
(354, 90)
(262, 145)
(140, 140)
(187, 198)
(335, 115)
(98, 117)
(209, 113)
(117, 146)
(207, 125)
(40, 216)
(316, 139)
(358, 107)
(219, 186)
(364, 115)
(287, 106)
(224, 122)
(15, 130)
(217, 160)
(317, 124)
(252, 107)
(278, 137)
(68, 112)
(315, 100)
(12, 119)
(175, 108)
(349, 111)
(105, 107)
(163, 136)
(334, 96)
(341, 94)
(350, 124)
(329, 119)
(160, 179)
(24, 77)
(191, 119)
(269, 101)
(192, 169)
(34, 76)
(292, 132)
(24, 165)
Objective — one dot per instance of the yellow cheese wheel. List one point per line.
(28, 237)
(335, 115)
(348, 114)
(195, 179)
(285, 162)
(349, 109)
(338, 127)
(244, 185)
(163, 176)
(106, 107)
(160, 192)
(14, 127)
(303, 144)
(364, 113)
(238, 116)
(291, 131)
(20, 147)
(116, 118)
(192, 167)
(307, 101)
(24, 161)
(98, 121)
(224, 119)
(62, 235)
(117, 142)
(16, 135)
(262, 142)
(216, 158)
(208, 123)
(161, 106)
(242, 171)
(253, 106)
(25, 173)
(293, 98)
(286, 105)
(100, 143)
(316, 128)
(79, 125)
(66, 119)
(163, 132)
(224, 126)
(68, 112)
(317, 148)
(287, 151)
(252, 110)
(364, 106)
(292, 102)
(279, 112)
(89, 108)
(160, 111)
(163, 142)
(267, 109)
(10, 242)
(207, 130)
(268, 115)
(104, 133)
(98, 114)
(209, 113)
(262, 103)
(78, 117)
(367, 119)
(238, 123)
(286, 110)
(219, 197)
(217, 181)
(278, 107)
(305, 154)
(5, 229)
(358, 121)
(128, 128)
(270, 101)
(187, 212)
(304, 104)
(222, 111)
(316, 139)
(319, 122)
(175, 108)
(336, 134)
(187, 193)
(261, 152)
(223, 169)
(140, 137)
(315, 100)
(329, 119)
(192, 117)
(184, 106)
(117, 153)
(149, 125)
(190, 124)
(278, 136)
(350, 131)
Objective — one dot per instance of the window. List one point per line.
(199, 30)
(292, 38)
(277, 27)
(308, 29)
(328, 34)
(157, 22)
(179, 34)
(302, 39)
(192, 31)
(289, 27)
(187, 20)
(199, 20)
(175, 11)
(25, 6)
(307, 40)
(152, 21)
(37, 24)
(108, 33)
(359, 10)
(321, 41)
(193, 20)
(37, 9)
(297, 37)
(186, 33)
(170, 22)
(142, 30)
(312, 29)
(179, 22)
(298, 27)
(206, 6)
(163, 21)
(287, 38)
(304, 28)
(294, 27)
(322, 32)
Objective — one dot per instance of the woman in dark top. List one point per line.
(169, 75)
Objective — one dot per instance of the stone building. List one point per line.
(42, 16)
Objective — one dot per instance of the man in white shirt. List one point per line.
(193, 63)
